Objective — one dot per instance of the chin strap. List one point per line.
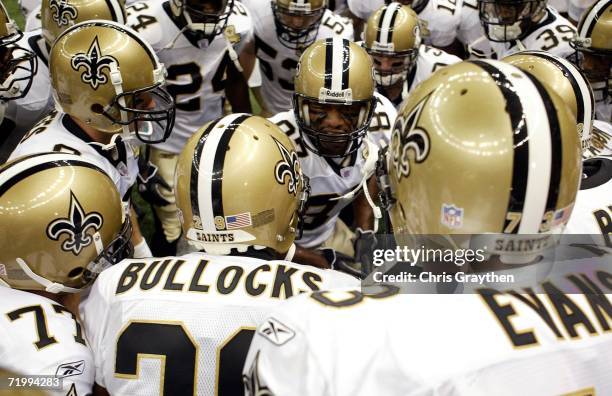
(232, 38)
(290, 253)
(368, 170)
(171, 43)
(51, 287)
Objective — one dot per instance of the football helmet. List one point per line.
(18, 65)
(593, 44)
(482, 147)
(566, 80)
(507, 20)
(416, 5)
(106, 76)
(334, 74)
(65, 220)
(392, 37)
(58, 15)
(208, 17)
(297, 21)
(240, 184)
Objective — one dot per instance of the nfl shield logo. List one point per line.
(452, 216)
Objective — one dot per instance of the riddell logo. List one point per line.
(70, 369)
(334, 94)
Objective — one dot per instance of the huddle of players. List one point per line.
(111, 98)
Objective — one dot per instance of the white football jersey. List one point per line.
(552, 34)
(577, 8)
(351, 343)
(442, 18)
(277, 63)
(27, 6)
(41, 337)
(601, 140)
(196, 69)
(32, 20)
(471, 34)
(592, 212)
(22, 114)
(428, 61)
(190, 318)
(58, 132)
(330, 179)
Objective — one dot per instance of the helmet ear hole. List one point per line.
(97, 108)
(76, 272)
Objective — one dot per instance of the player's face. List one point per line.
(386, 65)
(507, 14)
(334, 119)
(596, 67)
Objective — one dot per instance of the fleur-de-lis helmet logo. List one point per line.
(94, 63)
(408, 136)
(76, 227)
(62, 12)
(288, 168)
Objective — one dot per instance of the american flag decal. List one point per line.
(238, 221)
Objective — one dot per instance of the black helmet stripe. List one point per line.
(337, 59)
(35, 165)
(520, 171)
(217, 180)
(384, 34)
(580, 99)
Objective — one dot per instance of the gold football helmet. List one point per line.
(481, 147)
(207, 17)
(566, 80)
(18, 65)
(593, 44)
(58, 15)
(62, 223)
(240, 184)
(297, 21)
(106, 76)
(334, 73)
(392, 37)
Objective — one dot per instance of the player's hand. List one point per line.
(149, 183)
(365, 241)
(340, 262)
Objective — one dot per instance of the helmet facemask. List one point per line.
(328, 140)
(297, 26)
(18, 67)
(207, 17)
(392, 68)
(147, 112)
(505, 21)
(596, 66)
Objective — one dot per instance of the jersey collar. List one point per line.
(115, 154)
